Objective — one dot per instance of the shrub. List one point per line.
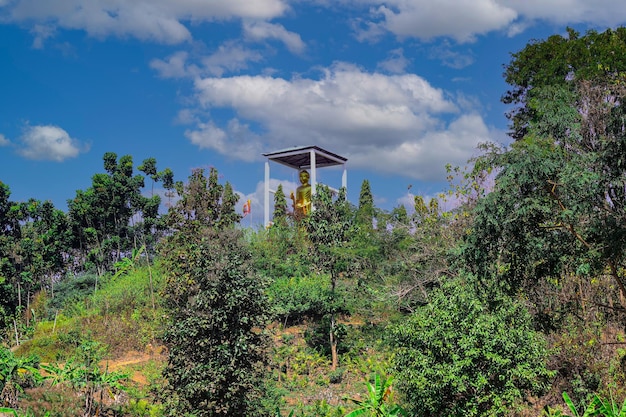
(456, 357)
(218, 309)
(299, 297)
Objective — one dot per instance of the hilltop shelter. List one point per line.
(302, 157)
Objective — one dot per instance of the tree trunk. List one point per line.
(333, 334)
(333, 344)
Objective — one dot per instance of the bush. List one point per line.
(299, 297)
(456, 357)
(218, 309)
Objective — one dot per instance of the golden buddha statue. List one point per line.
(302, 198)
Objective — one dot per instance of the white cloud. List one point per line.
(4, 141)
(458, 19)
(463, 20)
(389, 123)
(41, 33)
(236, 142)
(48, 143)
(597, 12)
(155, 20)
(174, 66)
(396, 63)
(425, 157)
(230, 57)
(259, 31)
(168, 21)
(449, 57)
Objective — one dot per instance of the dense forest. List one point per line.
(511, 304)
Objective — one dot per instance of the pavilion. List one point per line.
(302, 157)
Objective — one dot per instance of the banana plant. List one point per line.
(609, 408)
(128, 264)
(83, 373)
(378, 401)
(14, 412)
(588, 412)
(15, 372)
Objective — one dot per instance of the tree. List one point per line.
(399, 215)
(149, 168)
(10, 234)
(168, 183)
(457, 356)
(330, 228)
(279, 216)
(102, 216)
(217, 307)
(44, 247)
(204, 202)
(228, 216)
(562, 62)
(365, 212)
(559, 201)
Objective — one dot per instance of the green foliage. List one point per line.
(379, 402)
(102, 216)
(294, 299)
(561, 61)
(128, 264)
(330, 228)
(34, 248)
(217, 308)
(71, 290)
(560, 189)
(280, 252)
(366, 209)
(16, 413)
(16, 373)
(558, 202)
(597, 407)
(120, 314)
(204, 202)
(280, 207)
(316, 336)
(83, 373)
(457, 357)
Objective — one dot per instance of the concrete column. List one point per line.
(266, 203)
(313, 173)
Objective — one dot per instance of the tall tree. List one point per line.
(45, 245)
(558, 205)
(103, 216)
(204, 202)
(365, 212)
(10, 234)
(330, 228)
(279, 216)
(228, 215)
(563, 62)
(217, 304)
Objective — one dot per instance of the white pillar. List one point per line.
(344, 178)
(266, 203)
(313, 173)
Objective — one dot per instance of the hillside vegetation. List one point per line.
(512, 303)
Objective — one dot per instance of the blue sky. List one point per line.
(401, 87)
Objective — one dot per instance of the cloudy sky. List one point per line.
(401, 87)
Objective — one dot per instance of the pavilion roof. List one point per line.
(299, 157)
